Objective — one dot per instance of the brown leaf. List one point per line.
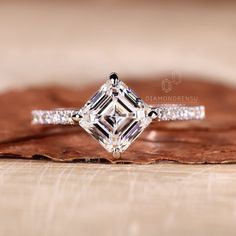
(210, 141)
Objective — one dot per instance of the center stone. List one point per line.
(115, 116)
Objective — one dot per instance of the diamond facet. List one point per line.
(115, 116)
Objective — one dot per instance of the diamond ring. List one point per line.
(115, 116)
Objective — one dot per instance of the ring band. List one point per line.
(165, 112)
(115, 116)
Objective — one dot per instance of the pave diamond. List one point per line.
(115, 116)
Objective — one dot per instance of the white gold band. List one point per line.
(166, 112)
(53, 117)
(173, 112)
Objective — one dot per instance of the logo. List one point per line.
(168, 84)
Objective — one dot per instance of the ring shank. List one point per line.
(172, 112)
(165, 112)
(53, 117)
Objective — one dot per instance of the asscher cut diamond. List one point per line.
(115, 116)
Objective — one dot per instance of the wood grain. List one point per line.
(56, 199)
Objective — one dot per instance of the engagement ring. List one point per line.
(115, 116)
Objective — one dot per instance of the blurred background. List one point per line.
(74, 42)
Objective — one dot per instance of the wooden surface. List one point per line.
(47, 198)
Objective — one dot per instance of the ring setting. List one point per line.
(115, 116)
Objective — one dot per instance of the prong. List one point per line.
(114, 79)
(153, 114)
(116, 154)
(76, 117)
(139, 102)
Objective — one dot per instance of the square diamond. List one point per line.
(115, 116)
